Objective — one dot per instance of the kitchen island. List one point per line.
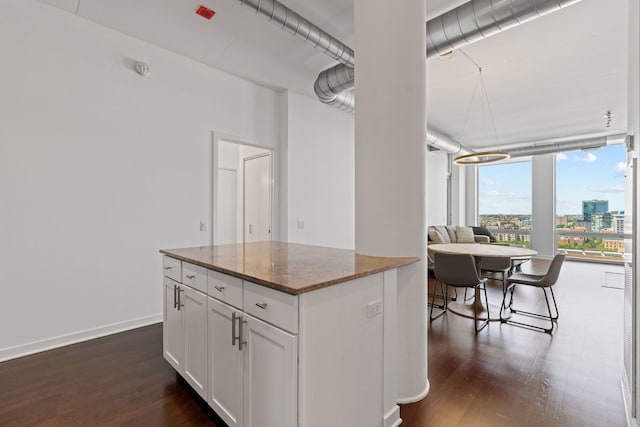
(280, 334)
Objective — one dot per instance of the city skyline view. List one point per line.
(505, 189)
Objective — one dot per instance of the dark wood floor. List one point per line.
(504, 376)
(510, 376)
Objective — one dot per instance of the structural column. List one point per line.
(390, 158)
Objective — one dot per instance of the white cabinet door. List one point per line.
(225, 363)
(172, 329)
(271, 376)
(193, 306)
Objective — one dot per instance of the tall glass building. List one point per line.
(590, 207)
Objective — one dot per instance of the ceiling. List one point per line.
(549, 78)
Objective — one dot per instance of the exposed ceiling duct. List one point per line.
(285, 18)
(478, 19)
(445, 143)
(537, 148)
(465, 24)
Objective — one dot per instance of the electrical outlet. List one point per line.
(204, 226)
(374, 308)
(300, 224)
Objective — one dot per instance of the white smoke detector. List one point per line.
(143, 69)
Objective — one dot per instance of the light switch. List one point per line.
(204, 226)
(300, 224)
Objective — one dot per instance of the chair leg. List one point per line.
(483, 324)
(550, 317)
(444, 289)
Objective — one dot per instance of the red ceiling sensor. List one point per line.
(205, 12)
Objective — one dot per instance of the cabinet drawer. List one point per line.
(272, 306)
(172, 268)
(225, 288)
(194, 276)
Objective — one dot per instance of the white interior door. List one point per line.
(257, 198)
(227, 204)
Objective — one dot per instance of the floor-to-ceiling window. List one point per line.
(504, 201)
(590, 203)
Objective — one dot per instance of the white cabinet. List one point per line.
(172, 329)
(253, 383)
(225, 363)
(193, 306)
(264, 358)
(270, 375)
(184, 335)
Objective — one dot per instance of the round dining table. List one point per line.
(479, 251)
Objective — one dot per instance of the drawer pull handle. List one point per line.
(167, 268)
(262, 305)
(190, 277)
(219, 288)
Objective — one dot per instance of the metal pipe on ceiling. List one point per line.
(287, 19)
(463, 25)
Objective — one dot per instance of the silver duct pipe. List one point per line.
(445, 143)
(333, 83)
(345, 101)
(478, 19)
(286, 18)
(557, 147)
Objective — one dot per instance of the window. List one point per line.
(504, 196)
(590, 203)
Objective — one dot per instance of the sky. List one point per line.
(580, 175)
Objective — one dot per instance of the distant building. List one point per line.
(561, 220)
(590, 207)
(600, 222)
(617, 223)
(613, 245)
(584, 225)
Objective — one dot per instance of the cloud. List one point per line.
(612, 189)
(620, 169)
(589, 158)
(561, 156)
(486, 181)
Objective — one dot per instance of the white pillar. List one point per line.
(390, 153)
(543, 213)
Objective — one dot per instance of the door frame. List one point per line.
(216, 137)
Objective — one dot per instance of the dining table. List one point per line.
(478, 251)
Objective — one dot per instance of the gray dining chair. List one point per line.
(544, 282)
(490, 267)
(458, 271)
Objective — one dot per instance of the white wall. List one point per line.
(437, 187)
(319, 144)
(100, 168)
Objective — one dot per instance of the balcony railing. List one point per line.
(583, 246)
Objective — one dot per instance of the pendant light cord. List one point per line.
(484, 95)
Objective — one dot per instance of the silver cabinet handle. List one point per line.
(233, 328)
(241, 340)
(180, 304)
(190, 277)
(167, 268)
(219, 288)
(262, 305)
(175, 298)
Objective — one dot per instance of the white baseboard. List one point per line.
(392, 419)
(416, 398)
(62, 340)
